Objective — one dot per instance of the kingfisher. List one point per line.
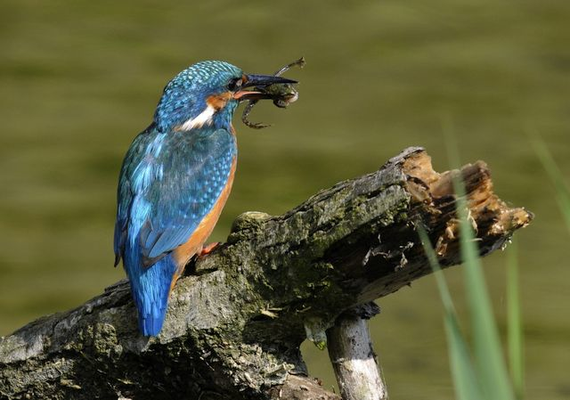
(176, 178)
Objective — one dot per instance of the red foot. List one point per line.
(207, 249)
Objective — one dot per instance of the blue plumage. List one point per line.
(169, 183)
(173, 176)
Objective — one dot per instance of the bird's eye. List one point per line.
(235, 84)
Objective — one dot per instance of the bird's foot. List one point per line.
(207, 249)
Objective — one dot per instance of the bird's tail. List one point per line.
(150, 288)
(151, 324)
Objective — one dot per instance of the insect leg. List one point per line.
(245, 115)
(300, 62)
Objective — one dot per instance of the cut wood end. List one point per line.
(490, 216)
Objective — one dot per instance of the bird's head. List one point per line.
(207, 93)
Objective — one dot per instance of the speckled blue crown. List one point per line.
(184, 97)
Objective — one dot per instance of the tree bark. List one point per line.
(238, 316)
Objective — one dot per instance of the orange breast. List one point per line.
(183, 253)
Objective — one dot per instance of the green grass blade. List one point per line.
(490, 366)
(464, 377)
(560, 186)
(515, 334)
(489, 363)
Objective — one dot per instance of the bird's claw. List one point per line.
(207, 249)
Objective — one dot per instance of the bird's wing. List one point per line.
(173, 186)
(125, 191)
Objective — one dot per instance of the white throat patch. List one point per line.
(205, 118)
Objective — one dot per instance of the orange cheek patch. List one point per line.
(219, 101)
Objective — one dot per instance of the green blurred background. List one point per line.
(79, 79)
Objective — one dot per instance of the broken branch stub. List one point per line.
(352, 355)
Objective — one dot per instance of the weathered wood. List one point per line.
(237, 319)
(353, 358)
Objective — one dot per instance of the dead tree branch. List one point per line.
(238, 317)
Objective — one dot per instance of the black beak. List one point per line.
(265, 80)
